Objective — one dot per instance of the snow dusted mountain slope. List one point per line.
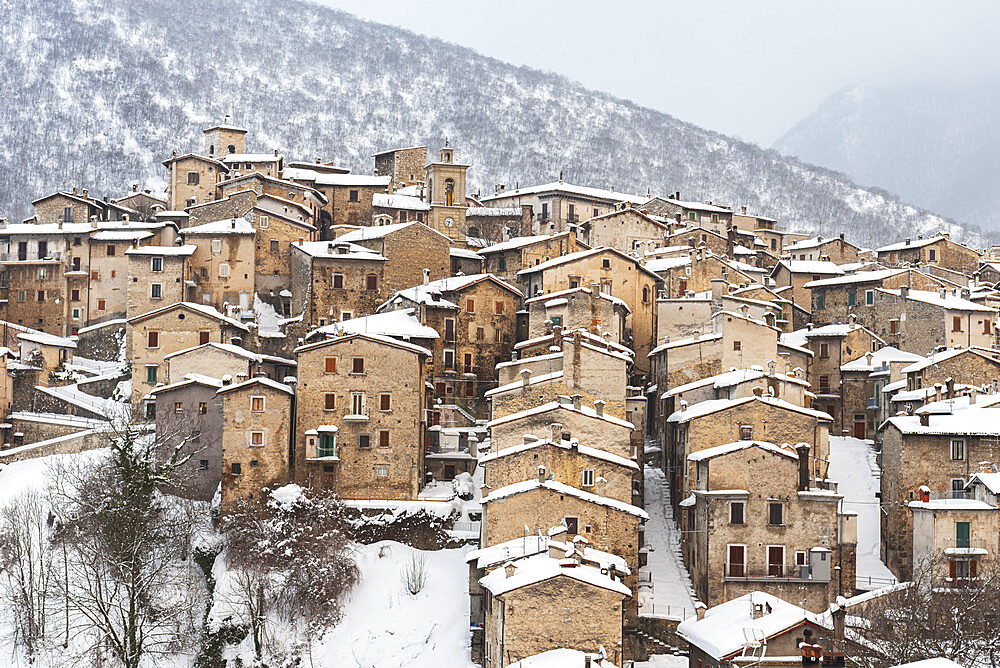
(937, 146)
(98, 92)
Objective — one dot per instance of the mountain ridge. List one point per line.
(103, 90)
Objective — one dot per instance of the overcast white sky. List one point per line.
(747, 68)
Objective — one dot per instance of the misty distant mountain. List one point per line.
(98, 93)
(938, 147)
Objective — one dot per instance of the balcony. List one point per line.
(771, 573)
(871, 404)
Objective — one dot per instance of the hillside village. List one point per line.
(654, 424)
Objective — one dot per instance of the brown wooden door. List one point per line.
(737, 561)
(776, 561)
(859, 429)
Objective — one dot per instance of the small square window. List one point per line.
(746, 432)
(354, 196)
(203, 464)
(606, 263)
(381, 471)
(737, 345)
(385, 402)
(338, 281)
(329, 401)
(236, 468)
(202, 408)
(110, 250)
(588, 477)
(155, 291)
(364, 441)
(358, 365)
(470, 305)
(153, 339)
(178, 407)
(257, 404)
(263, 222)
(257, 439)
(331, 365)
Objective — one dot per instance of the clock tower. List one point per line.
(446, 193)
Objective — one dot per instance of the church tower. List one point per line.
(446, 193)
(221, 140)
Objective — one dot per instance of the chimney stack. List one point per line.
(427, 276)
(599, 407)
(556, 431)
(542, 474)
(525, 378)
(577, 401)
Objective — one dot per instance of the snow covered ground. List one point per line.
(664, 661)
(853, 466)
(671, 594)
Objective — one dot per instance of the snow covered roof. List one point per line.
(561, 488)
(968, 422)
(378, 232)
(858, 277)
(542, 567)
(703, 408)
(937, 662)
(733, 377)
(696, 206)
(556, 405)
(15, 229)
(235, 350)
(724, 630)
(379, 338)
(813, 242)
(321, 178)
(466, 253)
(484, 211)
(507, 551)
(942, 355)
(186, 249)
(948, 300)
(924, 393)
(726, 448)
(571, 291)
(597, 339)
(687, 341)
(430, 293)
(203, 309)
(228, 226)
(189, 379)
(121, 235)
(251, 157)
(990, 479)
(579, 255)
(667, 263)
(565, 445)
(952, 504)
(809, 267)
(262, 380)
(880, 357)
(519, 242)
(47, 339)
(913, 243)
(339, 249)
(403, 324)
(570, 189)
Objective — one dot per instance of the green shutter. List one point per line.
(961, 534)
(852, 298)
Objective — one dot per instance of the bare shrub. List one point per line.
(414, 573)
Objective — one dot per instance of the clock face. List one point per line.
(448, 222)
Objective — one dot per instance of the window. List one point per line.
(192, 178)
(956, 323)
(502, 263)
(606, 263)
(467, 363)
(371, 282)
(329, 401)
(203, 464)
(986, 327)
(775, 514)
(151, 374)
(556, 320)
(357, 403)
(358, 365)
(110, 250)
(95, 276)
(67, 214)
(381, 471)
(41, 295)
(236, 468)
(204, 337)
(470, 305)
(737, 561)
(101, 304)
(449, 329)
(962, 534)
(737, 345)
(76, 314)
(263, 222)
(824, 385)
(364, 441)
(353, 196)
(156, 264)
(257, 404)
(449, 359)
(588, 477)
(715, 217)
(223, 270)
(692, 215)
(645, 294)
(957, 449)
(498, 308)
(894, 326)
(824, 350)
(216, 245)
(331, 365)
(150, 410)
(800, 558)
(746, 432)
(275, 247)
(20, 295)
(957, 488)
(3, 279)
(852, 298)
(338, 281)
(43, 273)
(202, 408)
(156, 291)
(869, 297)
(821, 301)
(153, 339)
(572, 525)
(480, 334)
(385, 402)
(383, 438)
(931, 255)
(256, 439)
(74, 295)
(736, 512)
(962, 569)
(178, 407)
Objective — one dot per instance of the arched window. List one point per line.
(449, 192)
(645, 294)
(232, 149)
(211, 149)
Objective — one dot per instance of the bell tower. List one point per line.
(221, 140)
(445, 185)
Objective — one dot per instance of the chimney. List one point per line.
(677, 217)
(699, 610)
(509, 569)
(904, 291)
(942, 292)
(908, 241)
(542, 474)
(743, 209)
(599, 407)
(530, 438)
(809, 326)
(684, 404)
(577, 401)
(525, 378)
(771, 365)
(841, 236)
(557, 336)
(853, 318)
(937, 391)
(556, 431)
(232, 224)
(925, 419)
(950, 387)
(803, 450)
(758, 391)
(427, 276)
(227, 379)
(973, 395)
(329, 249)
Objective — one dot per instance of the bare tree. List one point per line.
(27, 565)
(414, 573)
(938, 615)
(127, 549)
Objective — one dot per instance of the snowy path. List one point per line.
(670, 595)
(852, 465)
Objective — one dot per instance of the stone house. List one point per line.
(144, 202)
(189, 415)
(219, 360)
(861, 384)
(256, 438)
(728, 629)
(919, 321)
(45, 351)
(333, 280)
(700, 213)
(582, 606)
(577, 308)
(559, 205)
(156, 275)
(404, 166)
(624, 228)
(105, 295)
(590, 425)
(759, 521)
(475, 316)
(465, 261)
(507, 258)
(150, 336)
(268, 164)
(223, 263)
(754, 418)
(737, 383)
(223, 139)
(72, 207)
(191, 179)
(695, 272)
(361, 416)
(833, 300)
(835, 250)
(540, 345)
(445, 190)
(409, 248)
(988, 273)
(796, 273)
(938, 250)
(970, 366)
(283, 196)
(491, 224)
(617, 274)
(928, 457)
(695, 237)
(583, 467)
(393, 208)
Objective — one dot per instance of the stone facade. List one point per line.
(575, 308)
(190, 414)
(223, 262)
(334, 281)
(409, 248)
(165, 266)
(626, 229)
(404, 165)
(507, 258)
(939, 250)
(603, 432)
(191, 179)
(963, 366)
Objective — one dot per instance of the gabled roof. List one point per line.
(401, 324)
(204, 158)
(858, 277)
(186, 249)
(808, 267)
(44, 339)
(579, 255)
(727, 448)
(695, 206)
(914, 243)
(948, 301)
(376, 338)
(618, 212)
(382, 231)
(879, 358)
(731, 378)
(561, 488)
(221, 227)
(565, 445)
(555, 405)
(568, 333)
(541, 567)
(259, 380)
(398, 201)
(234, 350)
(548, 296)
(321, 178)
(431, 293)
(570, 189)
(201, 309)
(703, 408)
(520, 242)
(968, 422)
(943, 355)
(189, 379)
(331, 249)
